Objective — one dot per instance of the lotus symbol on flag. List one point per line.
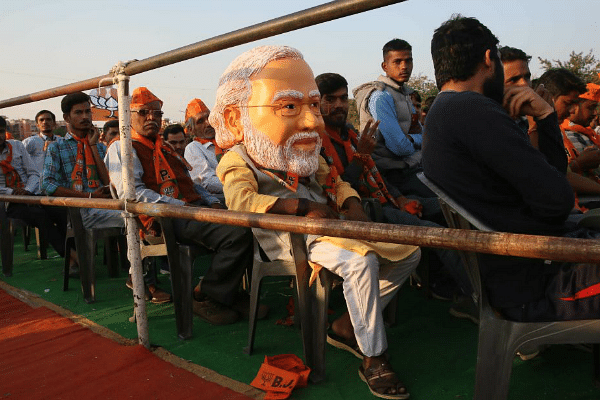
(104, 99)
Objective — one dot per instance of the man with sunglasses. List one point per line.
(161, 175)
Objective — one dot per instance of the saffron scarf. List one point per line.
(84, 161)
(370, 181)
(165, 177)
(218, 150)
(290, 181)
(13, 180)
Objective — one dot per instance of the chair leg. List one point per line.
(494, 365)
(87, 272)
(181, 287)
(7, 246)
(319, 342)
(69, 242)
(596, 355)
(26, 236)
(41, 238)
(254, 296)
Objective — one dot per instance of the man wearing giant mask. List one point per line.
(268, 114)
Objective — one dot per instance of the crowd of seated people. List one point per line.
(279, 141)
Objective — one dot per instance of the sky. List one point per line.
(51, 43)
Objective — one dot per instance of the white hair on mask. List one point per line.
(235, 87)
(261, 149)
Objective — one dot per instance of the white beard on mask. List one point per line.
(286, 158)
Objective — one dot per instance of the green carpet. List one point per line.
(432, 352)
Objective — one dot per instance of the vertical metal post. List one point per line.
(133, 236)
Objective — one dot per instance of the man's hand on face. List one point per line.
(21, 192)
(93, 136)
(318, 210)
(522, 100)
(368, 138)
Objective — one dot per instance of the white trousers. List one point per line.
(370, 283)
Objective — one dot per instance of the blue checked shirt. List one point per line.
(59, 164)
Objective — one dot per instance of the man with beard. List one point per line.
(581, 142)
(110, 131)
(37, 145)
(351, 156)
(202, 153)
(161, 176)
(475, 151)
(19, 176)
(516, 73)
(268, 112)
(175, 136)
(397, 153)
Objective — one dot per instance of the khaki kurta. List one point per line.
(248, 189)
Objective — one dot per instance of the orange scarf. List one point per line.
(370, 181)
(218, 150)
(84, 159)
(290, 181)
(165, 177)
(572, 153)
(13, 180)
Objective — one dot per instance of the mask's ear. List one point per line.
(233, 122)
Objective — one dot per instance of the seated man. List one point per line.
(474, 150)
(175, 136)
(110, 131)
(202, 153)
(397, 152)
(36, 145)
(581, 141)
(267, 111)
(19, 176)
(73, 167)
(161, 176)
(351, 157)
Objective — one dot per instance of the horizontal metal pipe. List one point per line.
(288, 23)
(510, 244)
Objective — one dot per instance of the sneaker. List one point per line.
(465, 307)
(214, 312)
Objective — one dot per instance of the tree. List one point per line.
(586, 67)
(425, 86)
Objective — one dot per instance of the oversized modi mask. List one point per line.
(268, 100)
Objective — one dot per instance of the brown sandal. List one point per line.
(381, 379)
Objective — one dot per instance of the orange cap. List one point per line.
(142, 96)
(195, 106)
(593, 92)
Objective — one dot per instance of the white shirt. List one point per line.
(35, 147)
(204, 162)
(21, 162)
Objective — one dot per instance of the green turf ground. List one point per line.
(432, 352)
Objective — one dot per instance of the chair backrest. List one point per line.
(458, 217)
